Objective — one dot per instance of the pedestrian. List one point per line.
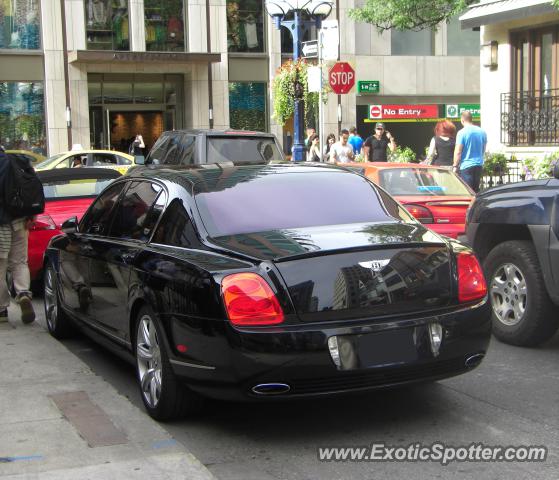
(314, 150)
(342, 151)
(330, 140)
(13, 252)
(310, 132)
(376, 146)
(355, 140)
(441, 148)
(469, 151)
(137, 149)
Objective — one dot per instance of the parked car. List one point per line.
(190, 147)
(258, 281)
(68, 192)
(514, 229)
(436, 196)
(88, 158)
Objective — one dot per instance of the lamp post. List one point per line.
(298, 16)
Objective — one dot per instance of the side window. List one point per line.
(67, 162)
(159, 151)
(97, 219)
(185, 150)
(176, 228)
(133, 212)
(123, 160)
(102, 159)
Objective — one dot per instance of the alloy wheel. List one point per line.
(509, 294)
(51, 304)
(148, 356)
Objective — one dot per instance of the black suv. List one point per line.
(514, 229)
(192, 147)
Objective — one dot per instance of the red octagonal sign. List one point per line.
(341, 77)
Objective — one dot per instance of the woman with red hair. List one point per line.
(441, 148)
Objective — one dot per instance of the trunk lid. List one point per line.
(355, 271)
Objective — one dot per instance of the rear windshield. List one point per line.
(421, 181)
(83, 187)
(242, 149)
(290, 200)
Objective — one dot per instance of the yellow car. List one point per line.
(88, 158)
(33, 157)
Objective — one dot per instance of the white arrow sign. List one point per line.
(310, 49)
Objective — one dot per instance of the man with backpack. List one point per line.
(19, 198)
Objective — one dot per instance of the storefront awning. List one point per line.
(496, 11)
(96, 56)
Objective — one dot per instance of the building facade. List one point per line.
(96, 72)
(519, 74)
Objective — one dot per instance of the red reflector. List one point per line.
(471, 282)
(181, 348)
(43, 222)
(423, 214)
(249, 300)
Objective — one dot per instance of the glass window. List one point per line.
(148, 92)
(421, 181)
(164, 20)
(325, 195)
(408, 42)
(103, 159)
(176, 228)
(547, 63)
(19, 25)
(247, 106)
(242, 149)
(107, 26)
(461, 42)
(22, 117)
(82, 187)
(132, 214)
(286, 38)
(117, 92)
(245, 26)
(97, 219)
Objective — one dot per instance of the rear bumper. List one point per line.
(300, 357)
(452, 230)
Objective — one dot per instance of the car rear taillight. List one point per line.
(423, 214)
(43, 222)
(471, 282)
(249, 300)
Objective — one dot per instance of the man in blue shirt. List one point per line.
(355, 140)
(469, 151)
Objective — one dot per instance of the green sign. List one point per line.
(456, 109)
(368, 86)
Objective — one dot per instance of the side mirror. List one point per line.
(139, 160)
(556, 170)
(70, 226)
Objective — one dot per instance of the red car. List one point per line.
(434, 195)
(68, 193)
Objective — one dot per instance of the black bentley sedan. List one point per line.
(264, 281)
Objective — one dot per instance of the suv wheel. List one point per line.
(523, 313)
(163, 396)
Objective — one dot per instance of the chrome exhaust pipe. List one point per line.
(271, 388)
(474, 360)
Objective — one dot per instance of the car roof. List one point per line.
(77, 152)
(220, 133)
(209, 174)
(60, 174)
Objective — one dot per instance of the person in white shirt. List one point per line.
(342, 151)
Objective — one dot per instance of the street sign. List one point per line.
(387, 112)
(341, 78)
(368, 86)
(456, 109)
(310, 49)
(330, 39)
(314, 79)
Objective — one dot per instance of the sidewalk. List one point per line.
(101, 435)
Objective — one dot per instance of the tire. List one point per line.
(522, 312)
(164, 397)
(58, 322)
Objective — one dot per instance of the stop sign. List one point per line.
(341, 77)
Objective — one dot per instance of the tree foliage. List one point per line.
(409, 14)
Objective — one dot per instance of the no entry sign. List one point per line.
(341, 78)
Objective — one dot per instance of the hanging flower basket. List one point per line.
(289, 83)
